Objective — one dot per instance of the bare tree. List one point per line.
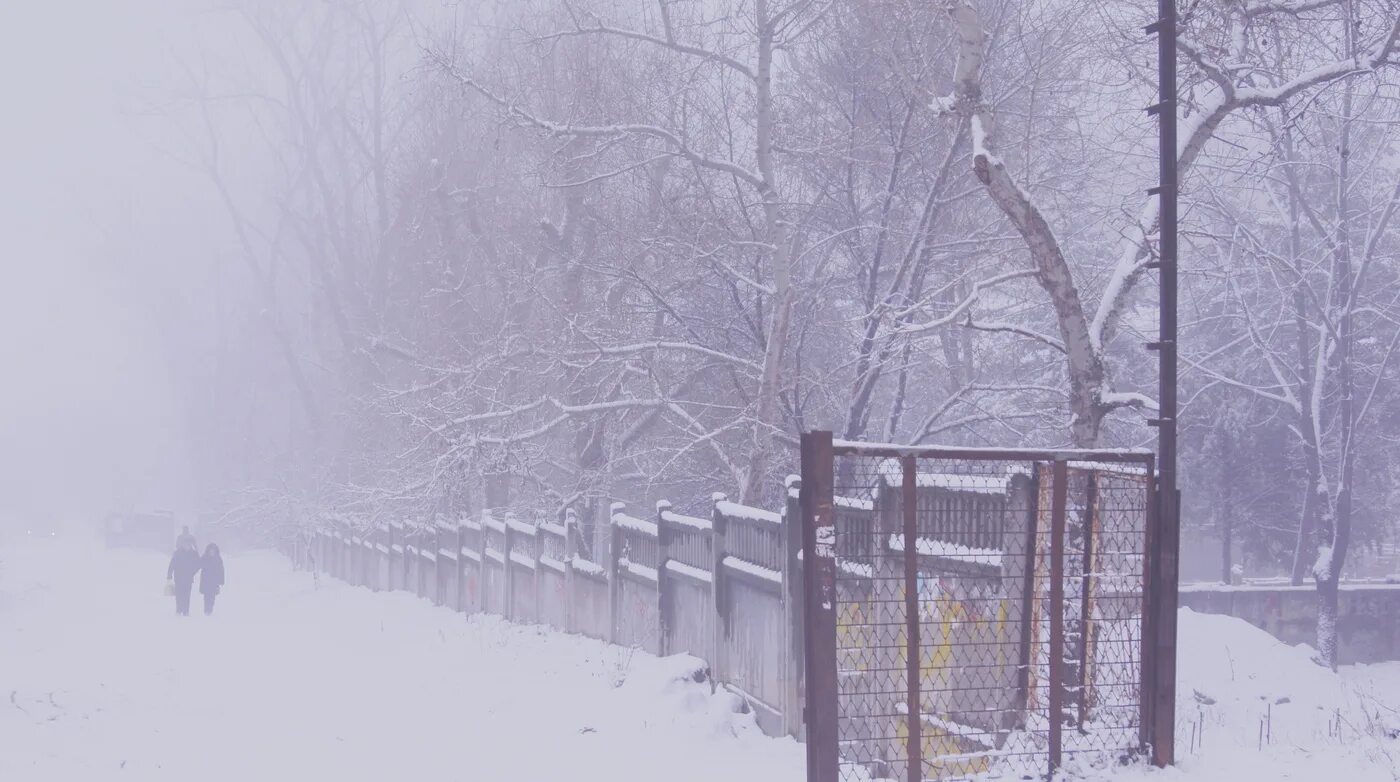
(1085, 335)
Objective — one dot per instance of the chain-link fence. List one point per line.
(974, 613)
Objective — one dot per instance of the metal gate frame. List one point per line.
(1158, 647)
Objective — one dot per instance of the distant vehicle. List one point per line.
(152, 530)
(38, 524)
(41, 528)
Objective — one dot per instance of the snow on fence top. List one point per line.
(893, 474)
(1010, 454)
(757, 571)
(553, 564)
(585, 566)
(639, 570)
(632, 523)
(734, 510)
(857, 569)
(945, 550)
(1120, 468)
(1346, 586)
(690, 571)
(853, 503)
(694, 523)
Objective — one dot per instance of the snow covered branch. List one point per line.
(670, 138)
(668, 42)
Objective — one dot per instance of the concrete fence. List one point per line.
(725, 587)
(1368, 627)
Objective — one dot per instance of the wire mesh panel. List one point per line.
(1111, 588)
(984, 611)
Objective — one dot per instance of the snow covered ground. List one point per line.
(294, 680)
(1251, 708)
(298, 680)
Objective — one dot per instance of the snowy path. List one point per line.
(294, 680)
(291, 680)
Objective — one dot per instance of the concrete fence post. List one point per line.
(614, 580)
(482, 593)
(538, 547)
(793, 658)
(665, 605)
(719, 548)
(507, 608)
(461, 566)
(406, 566)
(570, 583)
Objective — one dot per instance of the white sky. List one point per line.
(85, 414)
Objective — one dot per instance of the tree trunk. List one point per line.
(1334, 554)
(1327, 609)
(776, 234)
(1084, 363)
(1314, 495)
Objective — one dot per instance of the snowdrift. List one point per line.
(1252, 708)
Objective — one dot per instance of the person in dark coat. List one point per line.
(211, 576)
(184, 563)
(186, 538)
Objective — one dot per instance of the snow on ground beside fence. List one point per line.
(1253, 708)
(294, 679)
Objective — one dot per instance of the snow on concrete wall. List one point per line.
(1369, 625)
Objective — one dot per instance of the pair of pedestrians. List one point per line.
(185, 563)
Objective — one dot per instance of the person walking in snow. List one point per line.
(184, 563)
(211, 576)
(184, 538)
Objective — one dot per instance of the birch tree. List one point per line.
(1086, 326)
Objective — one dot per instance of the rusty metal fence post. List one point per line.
(1056, 609)
(1147, 713)
(819, 577)
(1164, 598)
(910, 501)
(1089, 522)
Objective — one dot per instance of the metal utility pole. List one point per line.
(1164, 560)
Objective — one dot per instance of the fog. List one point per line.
(545, 309)
(275, 262)
(89, 193)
